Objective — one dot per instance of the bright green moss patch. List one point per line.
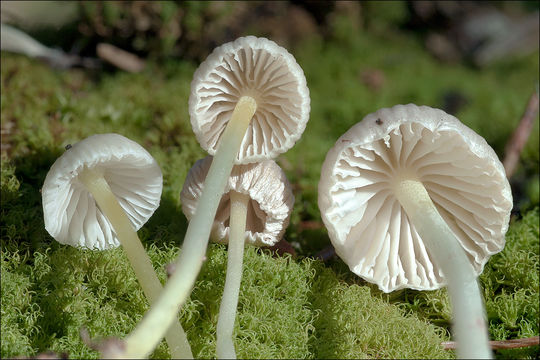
(353, 324)
(19, 317)
(287, 309)
(511, 286)
(274, 316)
(67, 289)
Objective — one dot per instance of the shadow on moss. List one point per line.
(22, 215)
(167, 226)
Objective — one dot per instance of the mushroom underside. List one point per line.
(391, 253)
(259, 69)
(72, 215)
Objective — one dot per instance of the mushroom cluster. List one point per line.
(249, 102)
(412, 198)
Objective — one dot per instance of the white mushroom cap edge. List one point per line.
(366, 223)
(259, 68)
(270, 204)
(71, 214)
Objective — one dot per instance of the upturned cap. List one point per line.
(366, 223)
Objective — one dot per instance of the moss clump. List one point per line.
(353, 324)
(18, 323)
(287, 309)
(274, 315)
(511, 287)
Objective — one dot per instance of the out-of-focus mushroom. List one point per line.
(96, 195)
(413, 198)
(249, 102)
(17, 41)
(255, 208)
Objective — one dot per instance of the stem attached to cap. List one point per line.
(147, 334)
(469, 315)
(229, 302)
(140, 262)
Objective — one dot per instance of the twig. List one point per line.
(501, 344)
(309, 225)
(519, 138)
(120, 58)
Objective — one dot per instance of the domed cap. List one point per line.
(259, 68)
(71, 214)
(270, 204)
(365, 221)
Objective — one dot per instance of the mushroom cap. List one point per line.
(366, 223)
(259, 68)
(71, 214)
(270, 204)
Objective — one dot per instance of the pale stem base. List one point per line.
(145, 337)
(140, 262)
(469, 316)
(229, 302)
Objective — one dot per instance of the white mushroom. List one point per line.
(248, 78)
(96, 195)
(255, 208)
(260, 69)
(269, 206)
(413, 198)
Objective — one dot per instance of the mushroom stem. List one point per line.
(150, 330)
(140, 262)
(469, 323)
(229, 302)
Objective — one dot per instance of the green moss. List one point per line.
(274, 314)
(353, 324)
(287, 309)
(510, 287)
(18, 322)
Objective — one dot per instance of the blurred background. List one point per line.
(477, 32)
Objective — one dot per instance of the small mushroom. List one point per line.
(255, 208)
(96, 195)
(249, 101)
(413, 198)
(258, 71)
(270, 200)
